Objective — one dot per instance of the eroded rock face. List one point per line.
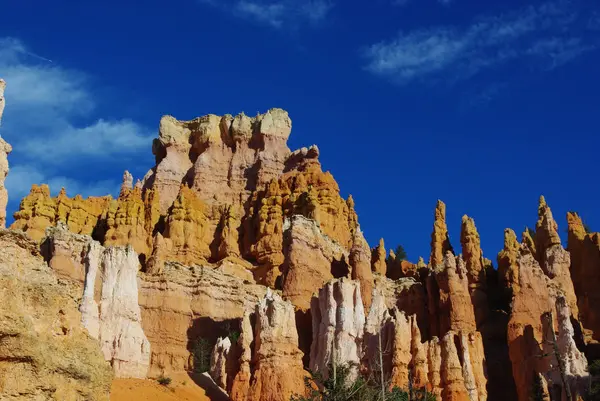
(508, 268)
(278, 367)
(450, 302)
(554, 260)
(538, 310)
(440, 240)
(311, 260)
(182, 304)
(473, 257)
(117, 320)
(584, 249)
(66, 251)
(2, 100)
(378, 255)
(39, 210)
(360, 262)
(218, 362)
(5, 150)
(338, 326)
(44, 352)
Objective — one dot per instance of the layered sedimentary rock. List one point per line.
(378, 255)
(44, 352)
(182, 304)
(440, 239)
(554, 260)
(39, 210)
(228, 211)
(473, 257)
(338, 321)
(508, 268)
(66, 252)
(311, 260)
(538, 311)
(360, 263)
(449, 300)
(278, 372)
(222, 187)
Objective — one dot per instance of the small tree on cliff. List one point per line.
(400, 253)
(202, 350)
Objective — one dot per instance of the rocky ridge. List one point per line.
(231, 232)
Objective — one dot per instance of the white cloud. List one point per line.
(43, 103)
(542, 34)
(57, 138)
(276, 13)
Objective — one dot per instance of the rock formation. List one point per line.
(5, 150)
(584, 248)
(440, 239)
(311, 260)
(231, 232)
(530, 332)
(44, 352)
(218, 361)
(360, 263)
(278, 372)
(473, 257)
(378, 255)
(338, 326)
(2, 100)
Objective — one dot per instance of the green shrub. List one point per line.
(338, 389)
(164, 381)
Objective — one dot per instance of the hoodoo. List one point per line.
(238, 256)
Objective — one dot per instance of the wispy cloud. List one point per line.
(50, 121)
(546, 35)
(276, 13)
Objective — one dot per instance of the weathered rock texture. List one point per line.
(278, 373)
(440, 239)
(473, 257)
(584, 248)
(311, 260)
(44, 352)
(194, 251)
(338, 326)
(182, 304)
(5, 150)
(218, 361)
(120, 332)
(2, 100)
(530, 333)
(378, 255)
(221, 187)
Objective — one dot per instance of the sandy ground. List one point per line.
(182, 388)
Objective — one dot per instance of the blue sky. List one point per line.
(485, 105)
